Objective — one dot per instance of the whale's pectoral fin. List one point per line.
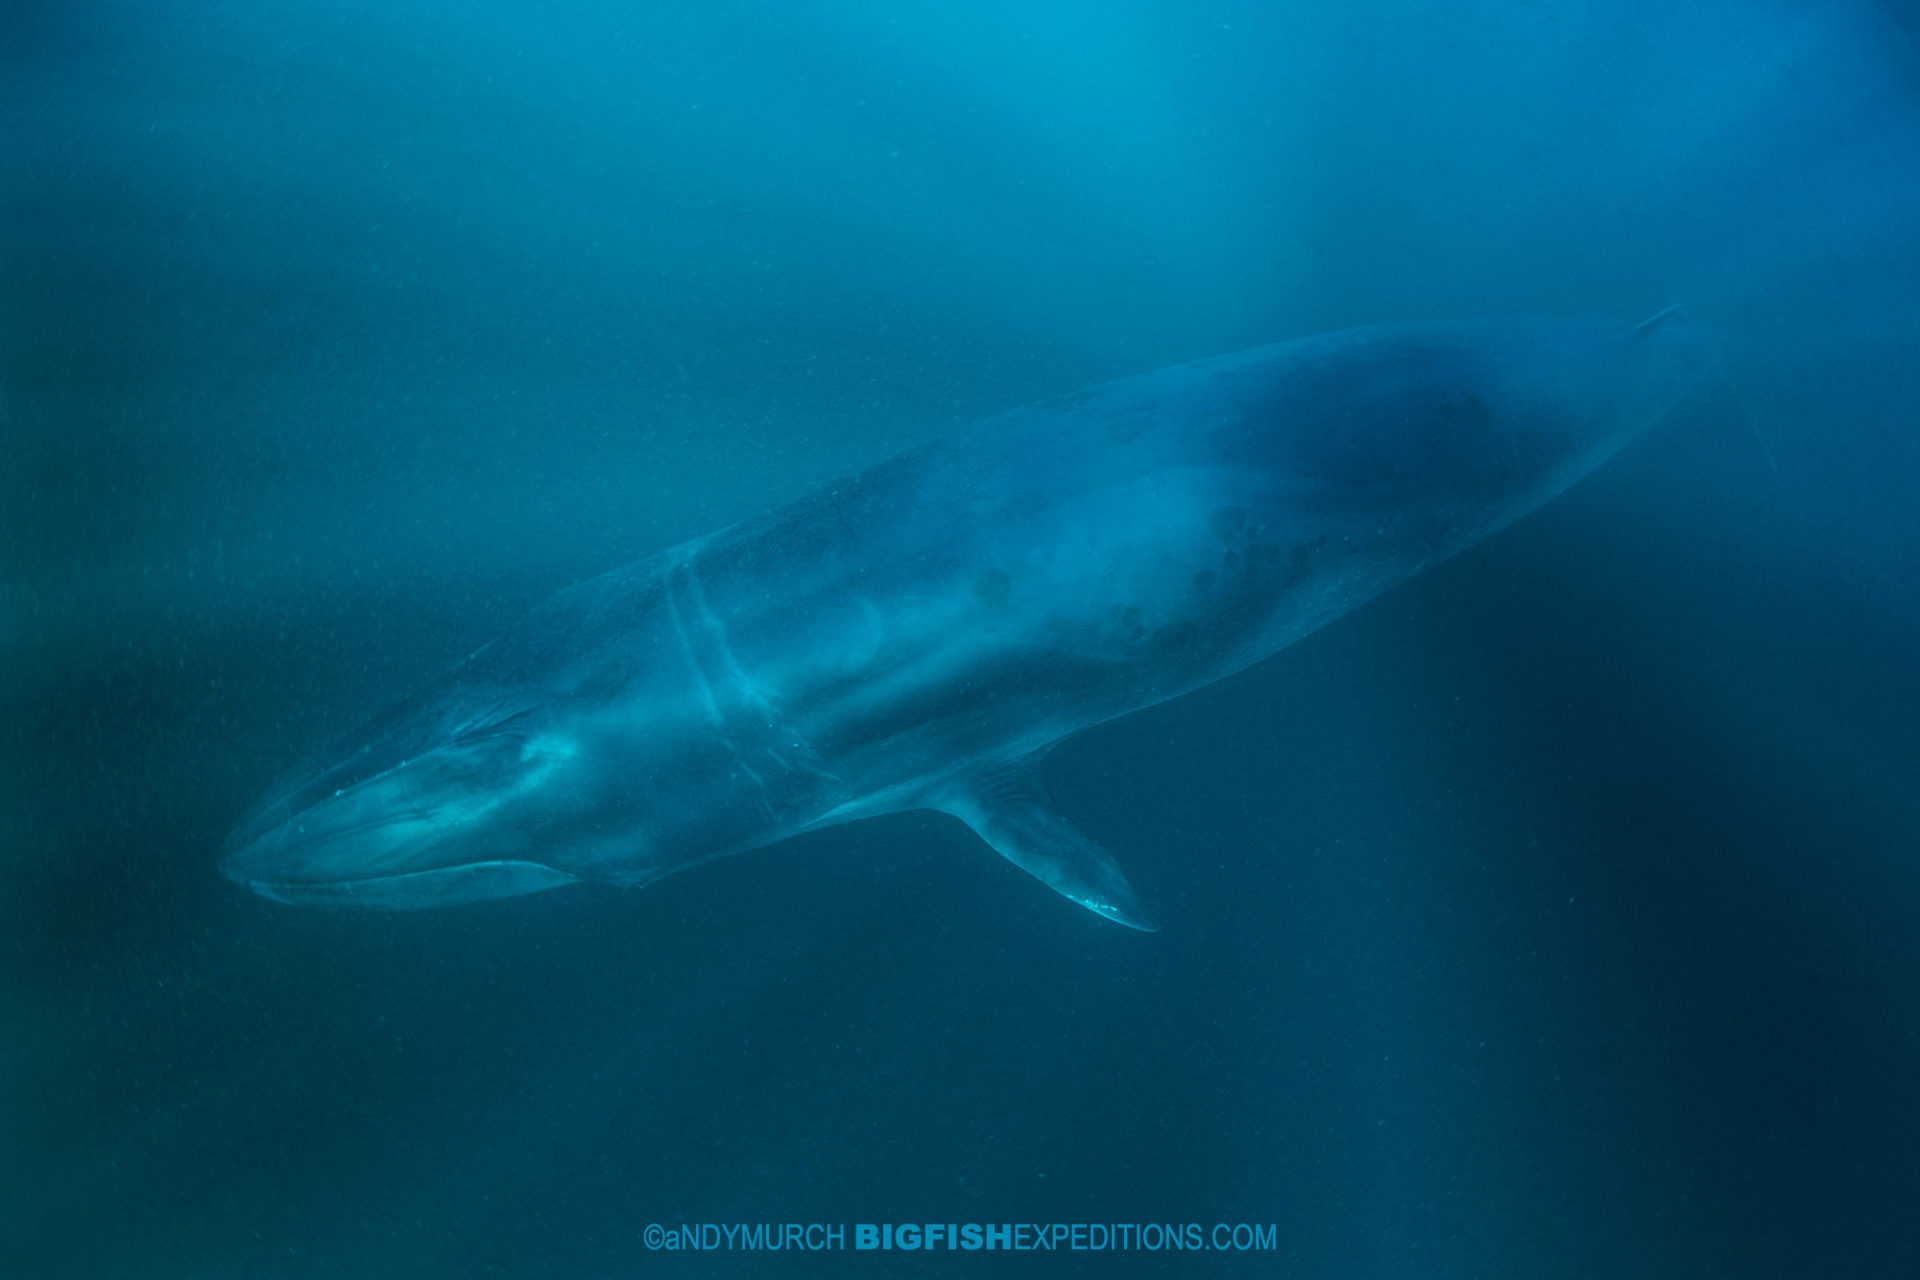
(1008, 809)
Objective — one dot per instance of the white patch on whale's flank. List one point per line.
(700, 684)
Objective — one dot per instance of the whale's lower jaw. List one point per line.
(419, 889)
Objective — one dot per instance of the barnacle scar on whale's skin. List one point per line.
(920, 635)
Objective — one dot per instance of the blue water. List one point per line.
(1551, 915)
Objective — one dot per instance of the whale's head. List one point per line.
(571, 748)
(445, 800)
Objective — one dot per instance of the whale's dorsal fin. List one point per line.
(1008, 808)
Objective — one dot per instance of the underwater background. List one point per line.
(1557, 914)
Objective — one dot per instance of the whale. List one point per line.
(921, 634)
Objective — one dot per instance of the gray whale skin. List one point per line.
(918, 636)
